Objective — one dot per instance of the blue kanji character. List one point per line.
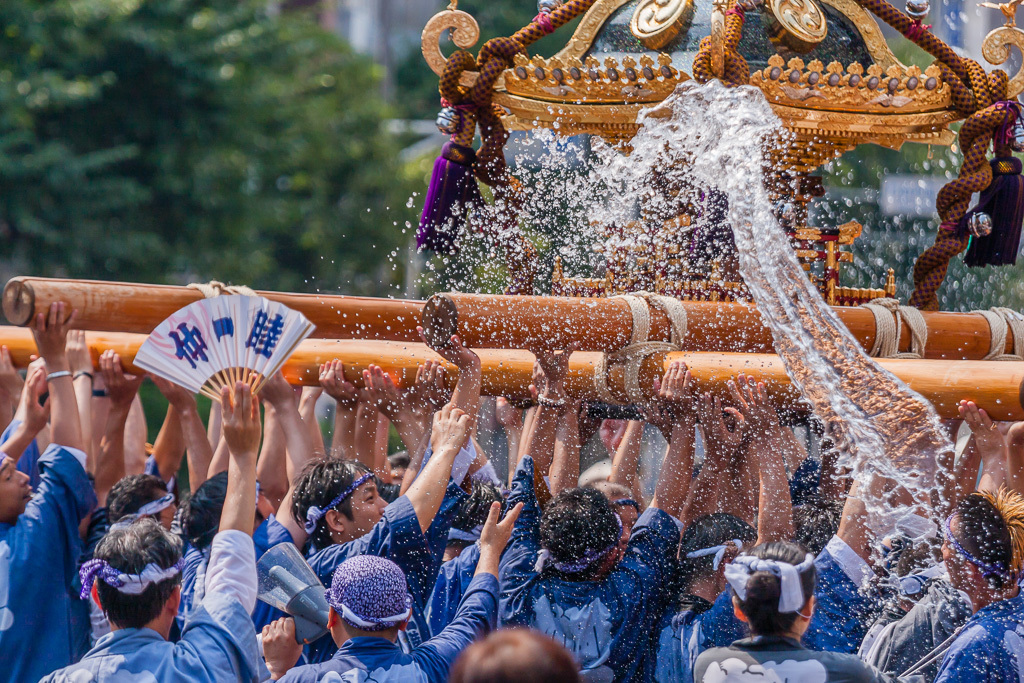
(224, 327)
(265, 333)
(190, 345)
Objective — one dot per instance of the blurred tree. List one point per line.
(192, 139)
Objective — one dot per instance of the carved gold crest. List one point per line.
(656, 22)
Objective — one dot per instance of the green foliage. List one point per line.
(192, 139)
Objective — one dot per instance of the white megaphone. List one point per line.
(287, 583)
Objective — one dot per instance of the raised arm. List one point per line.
(466, 396)
(241, 428)
(626, 460)
(511, 420)
(50, 332)
(565, 464)
(449, 434)
(198, 451)
(346, 399)
(539, 440)
(719, 443)
(35, 411)
(307, 410)
(991, 445)
(382, 393)
(675, 398)
(771, 449)
(82, 377)
(11, 386)
(121, 388)
(281, 396)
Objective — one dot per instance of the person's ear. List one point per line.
(737, 611)
(174, 601)
(332, 618)
(336, 522)
(404, 625)
(95, 594)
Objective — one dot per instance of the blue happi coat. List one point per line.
(39, 631)
(379, 660)
(451, 585)
(398, 537)
(686, 634)
(606, 624)
(845, 605)
(218, 644)
(990, 648)
(28, 462)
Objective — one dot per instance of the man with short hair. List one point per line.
(135, 577)
(141, 495)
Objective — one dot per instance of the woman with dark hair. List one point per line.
(773, 589)
(512, 655)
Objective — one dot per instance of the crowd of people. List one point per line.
(754, 560)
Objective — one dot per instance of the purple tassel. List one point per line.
(1003, 201)
(452, 190)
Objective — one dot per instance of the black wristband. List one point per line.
(84, 373)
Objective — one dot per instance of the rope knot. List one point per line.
(543, 21)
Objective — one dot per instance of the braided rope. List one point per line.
(736, 70)
(888, 314)
(976, 95)
(474, 105)
(640, 348)
(1001, 321)
(214, 288)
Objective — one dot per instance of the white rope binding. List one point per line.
(214, 288)
(888, 314)
(632, 356)
(1002, 321)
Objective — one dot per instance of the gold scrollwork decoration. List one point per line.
(656, 22)
(798, 24)
(465, 32)
(996, 50)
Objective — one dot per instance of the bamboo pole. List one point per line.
(605, 324)
(995, 386)
(129, 307)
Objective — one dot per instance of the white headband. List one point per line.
(155, 506)
(717, 550)
(791, 594)
(352, 618)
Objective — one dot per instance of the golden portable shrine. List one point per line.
(826, 71)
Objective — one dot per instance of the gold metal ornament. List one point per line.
(1009, 10)
(465, 32)
(798, 24)
(656, 22)
(996, 50)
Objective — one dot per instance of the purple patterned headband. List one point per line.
(987, 570)
(133, 584)
(576, 566)
(314, 513)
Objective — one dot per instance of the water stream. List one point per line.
(715, 136)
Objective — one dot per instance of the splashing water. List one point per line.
(716, 137)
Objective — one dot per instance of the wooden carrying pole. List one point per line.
(995, 386)
(600, 324)
(129, 307)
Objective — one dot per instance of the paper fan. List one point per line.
(216, 342)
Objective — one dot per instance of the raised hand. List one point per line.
(121, 387)
(277, 392)
(332, 379)
(507, 415)
(78, 352)
(495, 535)
(454, 351)
(555, 366)
(987, 437)
(178, 396)
(241, 421)
(36, 404)
(675, 402)
(10, 380)
(712, 422)
(380, 391)
(450, 430)
(50, 332)
(429, 392)
(753, 407)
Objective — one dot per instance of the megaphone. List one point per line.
(287, 583)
